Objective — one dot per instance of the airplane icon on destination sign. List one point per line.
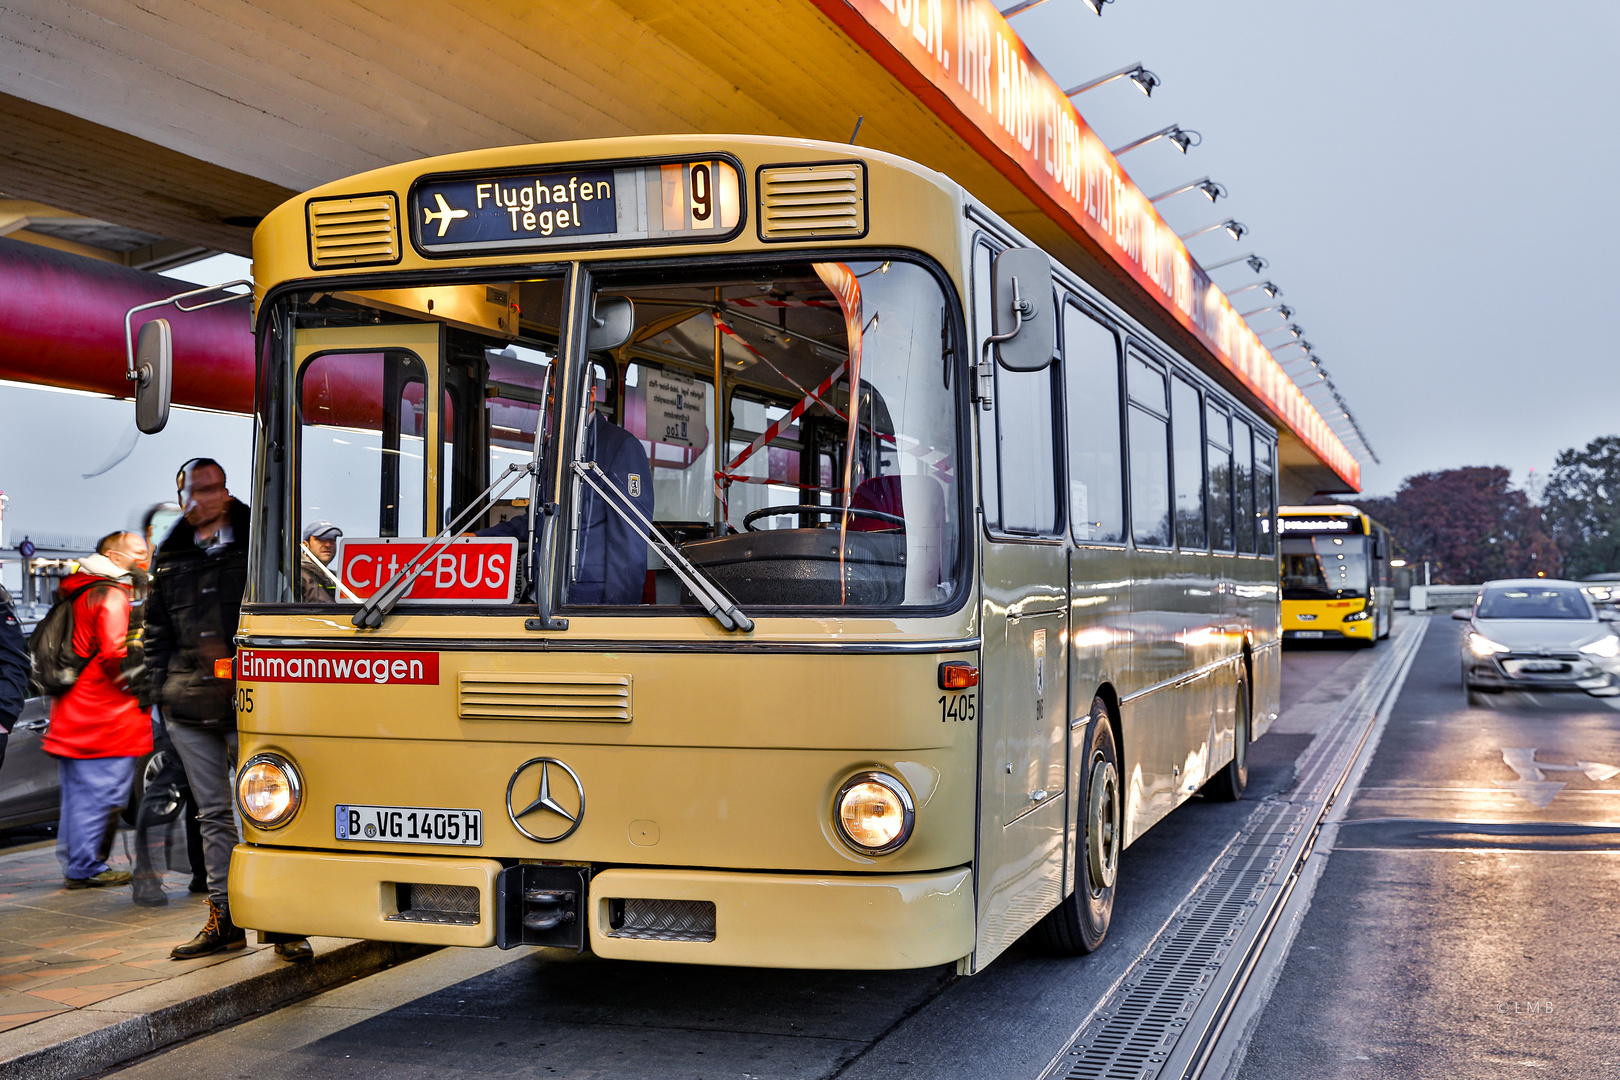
(444, 215)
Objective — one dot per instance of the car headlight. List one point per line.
(268, 790)
(874, 813)
(1480, 645)
(1608, 646)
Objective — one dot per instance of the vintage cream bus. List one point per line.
(753, 552)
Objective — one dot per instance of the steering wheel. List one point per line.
(773, 511)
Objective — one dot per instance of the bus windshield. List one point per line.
(1324, 567)
(392, 411)
(794, 491)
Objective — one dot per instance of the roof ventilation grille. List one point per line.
(803, 202)
(353, 232)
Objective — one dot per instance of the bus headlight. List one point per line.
(874, 813)
(1364, 613)
(268, 790)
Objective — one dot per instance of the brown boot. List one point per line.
(217, 936)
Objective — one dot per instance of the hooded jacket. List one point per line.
(99, 717)
(191, 620)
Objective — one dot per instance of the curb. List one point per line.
(86, 1041)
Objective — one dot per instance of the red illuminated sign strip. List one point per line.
(965, 51)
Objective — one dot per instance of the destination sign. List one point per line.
(568, 208)
(1320, 525)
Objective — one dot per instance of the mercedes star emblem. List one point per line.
(558, 792)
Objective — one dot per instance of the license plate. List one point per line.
(1309, 633)
(410, 825)
(1541, 667)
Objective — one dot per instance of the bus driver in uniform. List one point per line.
(611, 557)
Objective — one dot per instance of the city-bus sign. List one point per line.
(611, 203)
(470, 570)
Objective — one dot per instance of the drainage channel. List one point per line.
(1164, 1016)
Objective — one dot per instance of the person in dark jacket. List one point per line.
(612, 566)
(197, 583)
(14, 667)
(611, 557)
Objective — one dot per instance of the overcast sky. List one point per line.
(1427, 180)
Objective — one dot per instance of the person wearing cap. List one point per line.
(317, 584)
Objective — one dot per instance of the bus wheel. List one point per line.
(1228, 784)
(1078, 925)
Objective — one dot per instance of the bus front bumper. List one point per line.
(823, 921)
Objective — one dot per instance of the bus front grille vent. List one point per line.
(802, 202)
(353, 232)
(453, 905)
(661, 920)
(502, 695)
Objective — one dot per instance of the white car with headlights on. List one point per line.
(1539, 634)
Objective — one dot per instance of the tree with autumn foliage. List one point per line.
(1470, 524)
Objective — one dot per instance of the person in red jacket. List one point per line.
(98, 728)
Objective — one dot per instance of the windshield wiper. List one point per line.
(381, 602)
(710, 595)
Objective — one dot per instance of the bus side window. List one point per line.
(1218, 436)
(361, 438)
(1265, 510)
(1091, 381)
(1018, 438)
(1150, 453)
(1243, 485)
(1187, 435)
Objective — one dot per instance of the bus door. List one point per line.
(364, 408)
(1024, 689)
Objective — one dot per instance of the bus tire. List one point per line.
(1228, 784)
(1078, 925)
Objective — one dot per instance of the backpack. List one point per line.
(56, 667)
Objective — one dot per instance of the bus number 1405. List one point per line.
(958, 707)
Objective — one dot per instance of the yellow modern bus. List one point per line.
(753, 552)
(1337, 584)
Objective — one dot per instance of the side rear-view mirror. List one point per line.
(1025, 322)
(1462, 613)
(613, 319)
(154, 375)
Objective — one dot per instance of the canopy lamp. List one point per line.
(1145, 80)
(1212, 190)
(1292, 328)
(1256, 263)
(1024, 5)
(1269, 288)
(1282, 309)
(1234, 228)
(1175, 133)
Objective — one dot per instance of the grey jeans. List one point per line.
(209, 755)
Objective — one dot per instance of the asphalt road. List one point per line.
(541, 1014)
(1464, 924)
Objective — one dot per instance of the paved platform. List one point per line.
(86, 981)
